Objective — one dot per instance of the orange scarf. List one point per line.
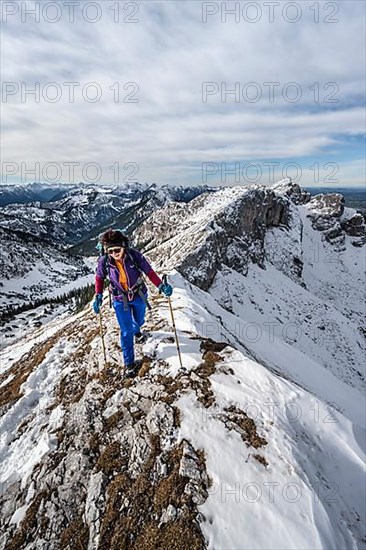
(122, 275)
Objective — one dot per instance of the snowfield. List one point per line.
(303, 487)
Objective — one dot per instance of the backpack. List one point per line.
(140, 281)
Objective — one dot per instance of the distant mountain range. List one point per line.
(32, 192)
(75, 215)
(43, 241)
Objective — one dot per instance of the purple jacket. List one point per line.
(132, 260)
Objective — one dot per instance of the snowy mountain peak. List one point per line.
(227, 227)
(292, 190)
(258, 251)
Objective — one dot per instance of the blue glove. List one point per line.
(165, 289)
(97, 302)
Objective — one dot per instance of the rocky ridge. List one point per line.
(230, 228)
(268, 255)
(117, 474)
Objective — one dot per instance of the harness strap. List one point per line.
(125, 302)
(127, 296)
(144, 299)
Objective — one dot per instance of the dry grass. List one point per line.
(145, 366)
(23, 535)
(95, 443)
(11, 392)
(210, 345)
(71, 388)
(172, 387)
(182, 534)
(134, 508)
(261, 459)
(238, 420)
(75, 536)
(203, 386)
(111, 460)
(112, 421)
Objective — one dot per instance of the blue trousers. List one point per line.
(130, 322)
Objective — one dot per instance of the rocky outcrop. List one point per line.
(355, 226)
(236, 237)
(291, 190)
(225, 229)
(323, 206)
(329, 215)
(325, 212)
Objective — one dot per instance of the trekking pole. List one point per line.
(165, 281)
(102, 337)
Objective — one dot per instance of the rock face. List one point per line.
(325, 212)
(329, 215)
(330, 205)
(355, 227)
(228, 230)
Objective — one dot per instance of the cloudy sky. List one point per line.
(129, 91)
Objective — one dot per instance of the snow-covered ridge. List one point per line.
(292, 266)
(225, 228)
(221, 453)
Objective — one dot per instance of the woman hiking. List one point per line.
(123, 267)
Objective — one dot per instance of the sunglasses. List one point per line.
(116, 250)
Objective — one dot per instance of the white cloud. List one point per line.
(169, 53)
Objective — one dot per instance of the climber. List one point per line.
(124, 267)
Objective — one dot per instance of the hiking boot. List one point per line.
(140, 337)
(138, 365)
(130, 371)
